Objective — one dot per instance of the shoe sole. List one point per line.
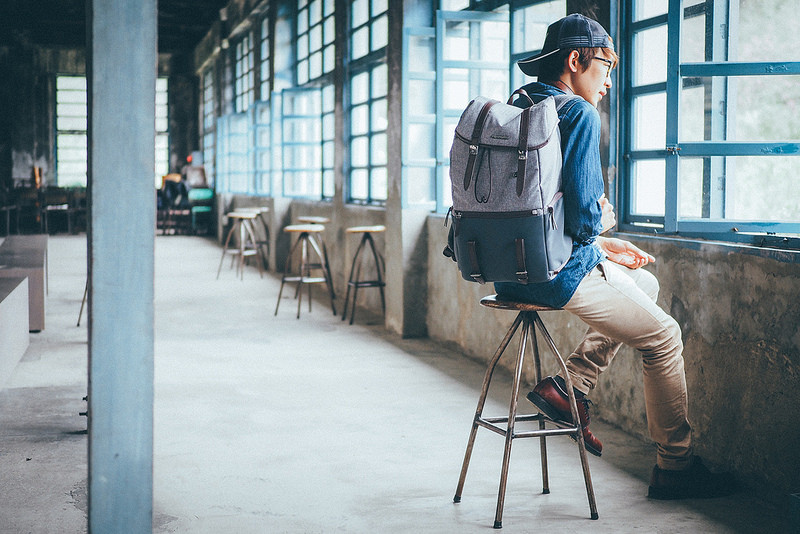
(550, 411)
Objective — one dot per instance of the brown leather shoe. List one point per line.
(552, 399)
(694, 482)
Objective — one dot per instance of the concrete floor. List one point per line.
(271, 424)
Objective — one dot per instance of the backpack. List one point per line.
(505, 172)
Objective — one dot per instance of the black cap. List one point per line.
(573, 31)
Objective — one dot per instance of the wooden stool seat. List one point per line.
(311, 219)
(305, 243)
(378, 228)
(528, 317)
(355, 280)
(262, 243)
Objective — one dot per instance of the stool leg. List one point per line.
(512, 416)
(323, 257)
(225, 249)
(303, 268)
(286, 270)
(487, 379)
(356, 285)
(537, 365)
(251, 232)
(379, 270)
(587, 477)
(350, 279)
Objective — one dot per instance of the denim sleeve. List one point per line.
(581, 175)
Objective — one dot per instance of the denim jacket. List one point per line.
(582, 184)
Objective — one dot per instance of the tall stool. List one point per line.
(354, 280)
(262, 243)
(528, 317)
(305, 242)
(242, 224)
(318, 239)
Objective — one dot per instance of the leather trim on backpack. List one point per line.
(474, 143)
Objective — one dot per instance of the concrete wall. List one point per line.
(738, 308)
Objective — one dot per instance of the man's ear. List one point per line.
(572, 61)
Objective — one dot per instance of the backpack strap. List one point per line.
(476, 275)
(522, 159)
(522, 271)
(475, 141)
(563, 100)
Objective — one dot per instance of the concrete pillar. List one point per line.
(121, 82)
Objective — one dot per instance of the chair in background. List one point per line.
(201, 202)
(55, 203)
(28, 206)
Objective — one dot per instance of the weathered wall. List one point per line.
(738, 308)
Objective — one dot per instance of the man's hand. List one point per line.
(624, 253)
(607, 219)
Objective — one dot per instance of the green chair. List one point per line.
(201, 201)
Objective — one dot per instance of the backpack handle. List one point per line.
(520, 92)
(475, 141)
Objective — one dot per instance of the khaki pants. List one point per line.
(619, 306)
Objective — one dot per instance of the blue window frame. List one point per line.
(710, 151)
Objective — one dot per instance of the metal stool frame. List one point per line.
(243, 222)
(529, 318)
(304, 271)
(355, 281)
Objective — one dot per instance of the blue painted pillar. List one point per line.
(122, 59)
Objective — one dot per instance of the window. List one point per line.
(368, 105)
(472, 60)
(244, 80)
(71, 113)
(302, 142)
(162, 130)
(208, 131)
(711, 152)
(315, 35)
(368, 146)
(265, 60)
(369, 27)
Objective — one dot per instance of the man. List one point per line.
(603, 283)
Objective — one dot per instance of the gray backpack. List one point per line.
(505, 171)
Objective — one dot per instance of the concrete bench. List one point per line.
(25, 256)
(14, 336)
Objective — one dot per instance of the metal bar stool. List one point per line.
(318, 239)
(242, 223)
(262, 243)
(303, 276)
(354, 280)
(528, 317)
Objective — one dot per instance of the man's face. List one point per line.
(594, 82)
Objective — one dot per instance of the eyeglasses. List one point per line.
(607, 62)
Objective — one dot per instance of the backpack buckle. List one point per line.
(473, 149)
(523, 155)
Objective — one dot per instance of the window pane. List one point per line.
(421, 54)
(456, 45)
(644, 9)
(380, 33)
(419, 185)
(359, 120)
(378, 149)
(648, 187)
(421, 142)
(360, 43)
(650, 51)
(360, 13)
(359, 152)
(422, 96)
(762, 188)
(456, 89)
(650, 122)
(379, 114)
(767, 31)
(358, 184)
(693, 39)
(379, 184)
(454, 5)
(530, 24)
(359, 88)
(379, 6)
(493, 41)
(379, 81)
(692, 113)
(691, 181)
